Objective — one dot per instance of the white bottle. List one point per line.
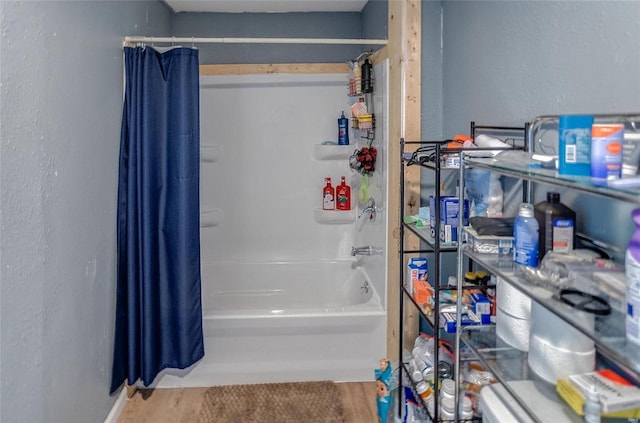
(465, 409)
(632, 273)
(447, 388)
(447, 409)
(592, 406)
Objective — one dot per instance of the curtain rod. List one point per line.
(129, 40)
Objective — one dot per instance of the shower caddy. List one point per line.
(434, 162)
(509, 365)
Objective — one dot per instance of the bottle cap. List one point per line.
(553, 197)
(448, 386)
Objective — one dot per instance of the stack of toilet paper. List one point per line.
(556, 348)
(513, 315)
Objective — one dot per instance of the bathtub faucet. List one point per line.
(366, 251)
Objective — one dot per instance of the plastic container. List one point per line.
(447, 389)
(526, 237)
(632, 273)
(447, 409)
(574, 139)
(592, 406)
(557, 224)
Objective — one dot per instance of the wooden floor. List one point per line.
(183, 404)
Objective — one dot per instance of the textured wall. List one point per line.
(279, 25)
(507, 62)
(61, 73)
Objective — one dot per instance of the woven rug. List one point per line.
(296, 402)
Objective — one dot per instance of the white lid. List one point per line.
(448, 405)
(448, 386)
(465, 404)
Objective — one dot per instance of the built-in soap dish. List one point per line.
(334, 216)
(332, 151)
(210, 218)
(210, 153)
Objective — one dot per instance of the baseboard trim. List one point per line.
(117, 408)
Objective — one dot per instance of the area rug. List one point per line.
(296, 402)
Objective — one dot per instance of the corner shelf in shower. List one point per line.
(333, 217)
(210, 218)
(332, 151)
(210, 153)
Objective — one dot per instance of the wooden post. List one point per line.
(404, 59)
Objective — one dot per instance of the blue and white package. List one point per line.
(449, 208)
(606, 151)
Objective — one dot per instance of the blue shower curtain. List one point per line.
(158, 304)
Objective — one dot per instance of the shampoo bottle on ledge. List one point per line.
(328, 195)
(343, 193)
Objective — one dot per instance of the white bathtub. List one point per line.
(286, 321)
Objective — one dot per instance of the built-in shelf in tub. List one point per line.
(210, 218)
(334, 216)
(210, 153)
(332, 151)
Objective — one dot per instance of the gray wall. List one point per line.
(61, 96)
(278, 25)
(375, 20)
(508, 62)
(431, 68)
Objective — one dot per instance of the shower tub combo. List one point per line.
(286, 321)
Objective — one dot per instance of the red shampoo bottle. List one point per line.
(343, 192)
(328, 195)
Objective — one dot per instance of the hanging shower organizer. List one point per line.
(363, 119)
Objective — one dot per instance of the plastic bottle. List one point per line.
(592, 406)
(557, 224)
(447, 409)
(343, 130)
(423, 390)
(343, 193)
(447, 389)
(367, 85)
(465, 408)
(328, 195)
(632, 273)
(525, 233)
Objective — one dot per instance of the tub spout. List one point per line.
(366, 251)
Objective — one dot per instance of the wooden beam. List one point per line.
(249, 69)
(404, 49)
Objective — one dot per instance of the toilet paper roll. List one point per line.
(513, 330)
(512, 301)
(549, 327)
(551, 363)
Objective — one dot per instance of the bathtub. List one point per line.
(284, 322)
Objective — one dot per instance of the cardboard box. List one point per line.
(448, 320)
(481, 307)
(449, 208)
(417, 268)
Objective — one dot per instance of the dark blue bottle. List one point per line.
(343, 130)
